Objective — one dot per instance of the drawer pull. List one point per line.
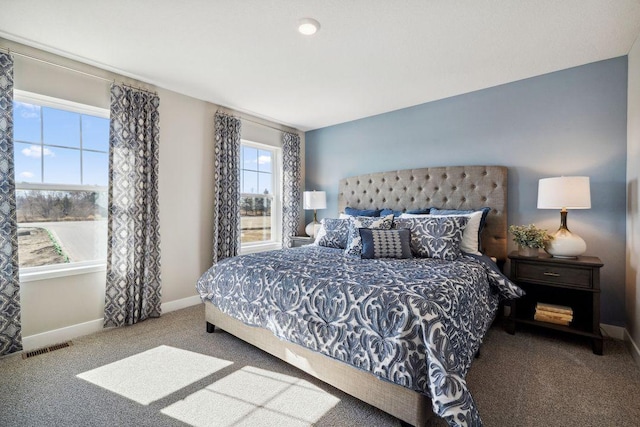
(547, 273)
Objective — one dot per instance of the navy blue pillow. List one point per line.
(419, 211)
(385, 243)
(362, 212)
(396, 214)
(385, 212)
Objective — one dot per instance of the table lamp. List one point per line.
(314, 200)
(565, 192)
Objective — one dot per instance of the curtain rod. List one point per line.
(153, 92)
(260, 123)
(24, 55)
(13, 52)
(268, 126)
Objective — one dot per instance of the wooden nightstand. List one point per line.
(297, 241)
(569, 282)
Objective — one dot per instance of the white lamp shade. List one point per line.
(564, 192)
(315, 200)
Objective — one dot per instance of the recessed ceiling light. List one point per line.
(308, 26)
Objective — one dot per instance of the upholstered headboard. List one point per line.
(449, 187)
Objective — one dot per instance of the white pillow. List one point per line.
(469, 242)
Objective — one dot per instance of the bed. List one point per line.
(397, 334)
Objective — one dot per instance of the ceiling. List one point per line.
(369, 57)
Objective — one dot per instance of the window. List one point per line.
(61, 153)
(260, 210)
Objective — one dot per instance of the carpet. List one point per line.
(170, 372)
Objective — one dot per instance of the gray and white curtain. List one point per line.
(226, 205)
(133, 254)
(291, 195)
(10, 330)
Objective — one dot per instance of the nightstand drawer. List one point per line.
(556, 274)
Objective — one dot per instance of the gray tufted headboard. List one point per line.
(449, 187)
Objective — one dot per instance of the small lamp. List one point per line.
(314, 200)
(565, 192)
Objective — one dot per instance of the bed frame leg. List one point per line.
(478, 354)
(211, 328)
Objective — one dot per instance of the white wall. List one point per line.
(632, 289)
(56, 309)
(185, 192)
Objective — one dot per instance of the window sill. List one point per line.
(45, 272)
(260, 247)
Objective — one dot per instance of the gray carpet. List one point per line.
(530, 379)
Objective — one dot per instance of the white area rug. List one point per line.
(154, 374)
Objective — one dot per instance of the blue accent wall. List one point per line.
(570, 122)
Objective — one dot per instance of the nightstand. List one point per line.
(570, 282)
(297, 241)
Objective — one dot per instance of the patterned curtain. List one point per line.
(291, 164)
(133, 255)
(10, 331)
(226, 204)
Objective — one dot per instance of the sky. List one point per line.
(256, 173)
(55, 146)
(48, 142)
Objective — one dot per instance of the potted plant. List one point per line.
(529, 238)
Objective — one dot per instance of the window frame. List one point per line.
(276, 201)
(44, 272)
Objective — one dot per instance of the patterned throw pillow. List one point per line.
(361, 212)
(333, 233)
(354, 245)
(470, 236)
(435, 237)
(473, 222)
(385, 212)
(385, 243)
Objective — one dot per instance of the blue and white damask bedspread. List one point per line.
(415, 322)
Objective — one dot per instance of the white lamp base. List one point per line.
(310, 229)
(566, 244)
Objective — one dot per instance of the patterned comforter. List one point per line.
(415, 322)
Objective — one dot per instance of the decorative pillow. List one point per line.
(362, 212)
(419, 211)
(470, 235)
(385, 243)
(354, 245)
(485, 211)
(435, 236)
(333, 233)
(472, 221)
(385, 212)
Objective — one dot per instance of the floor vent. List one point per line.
(44, 350)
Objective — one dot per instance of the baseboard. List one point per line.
(57, 336)
(612, 331)
(67, 333)
(178, 304)
(633, 347)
